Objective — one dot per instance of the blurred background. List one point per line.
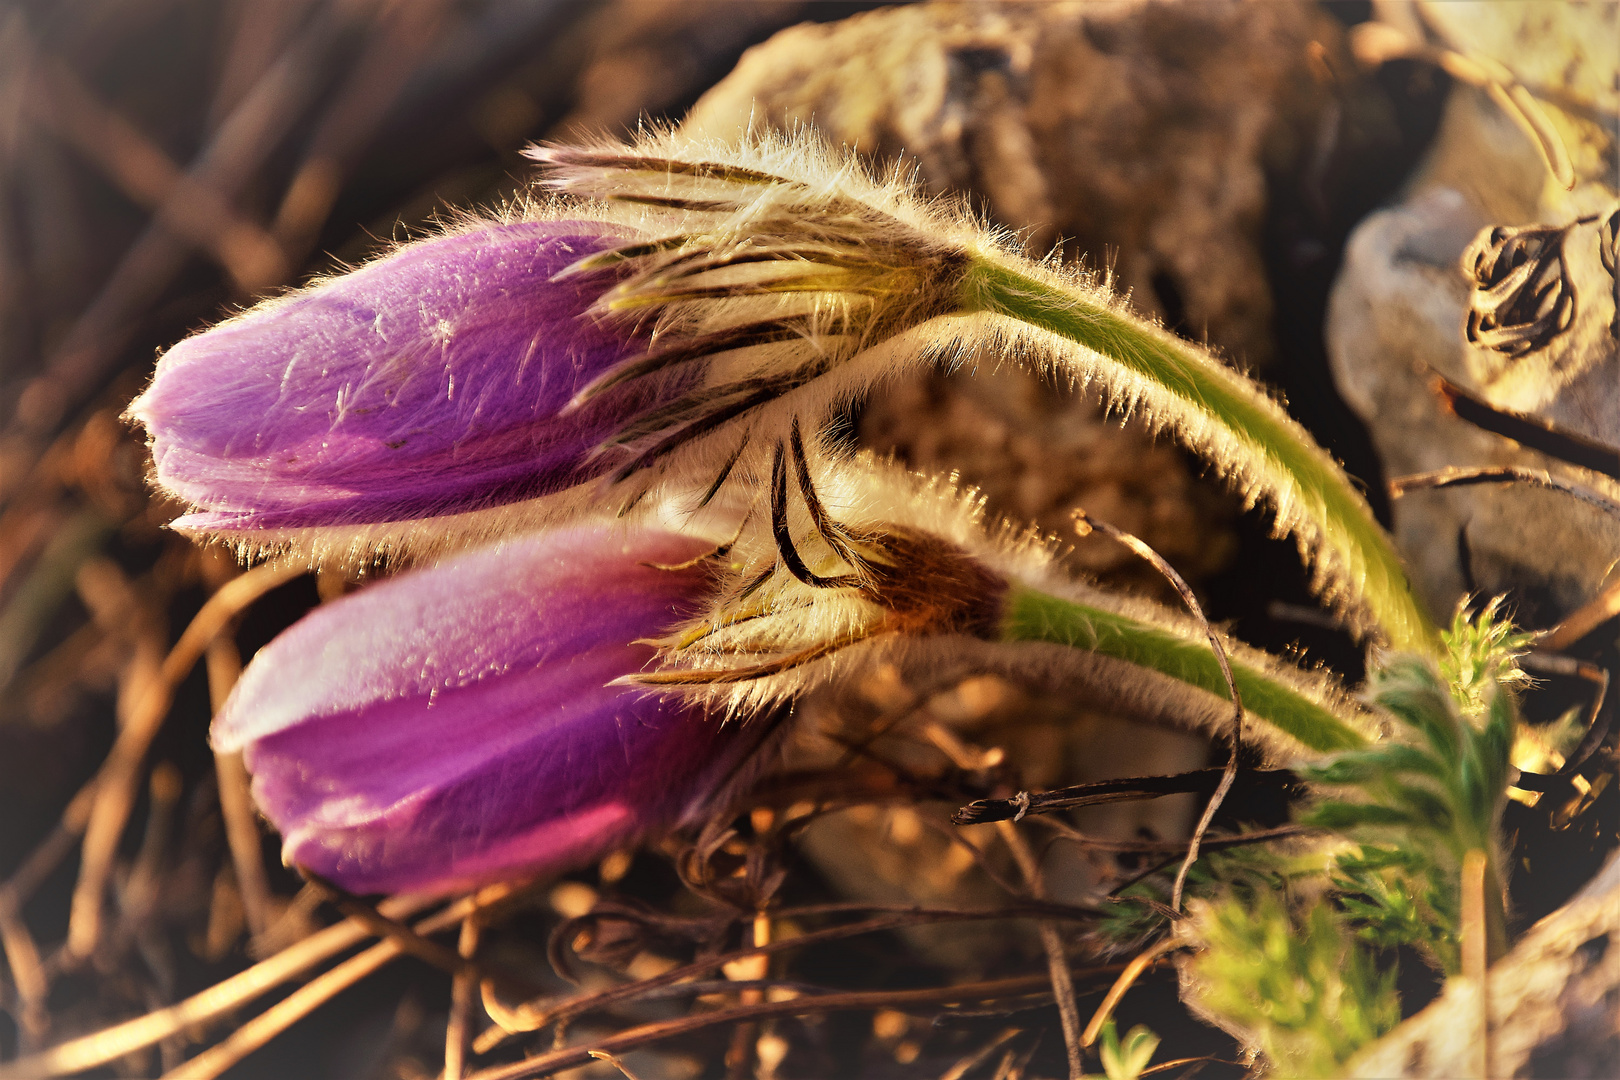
(165, 162)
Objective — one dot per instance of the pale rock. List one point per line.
(1139, 133)
(1552, 1005)
(1399, 307)
(1136, 133)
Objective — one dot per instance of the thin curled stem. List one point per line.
(1230, 773)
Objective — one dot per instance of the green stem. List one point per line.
(1036, 616)
(1227, 419)
(1496, 935)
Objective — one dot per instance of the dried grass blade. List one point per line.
(1127, 978)
(116, 781)
(236, 802)
(28, 977)
(462, 990)
(1057, 960)
(284, 1013)
(110, 1044)
(1582, 621)
(981, 1055)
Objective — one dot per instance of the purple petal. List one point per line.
(454, 725)
(429, 382)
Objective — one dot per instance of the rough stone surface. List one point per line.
(1553, 1004)
(1038, 453)
(1138, 133)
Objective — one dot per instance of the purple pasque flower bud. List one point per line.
(429, 383)
(455, 725)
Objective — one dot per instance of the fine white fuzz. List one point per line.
(776, 281)
(770, 636)
(866, 277)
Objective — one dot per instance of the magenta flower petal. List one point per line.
(429, 382)
(455, 725)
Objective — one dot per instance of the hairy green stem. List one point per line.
(1030, 615)
(1228, 420)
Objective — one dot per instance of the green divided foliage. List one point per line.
(1390, 899)
(1415, 805)
(1303, 967)
(1292, 982)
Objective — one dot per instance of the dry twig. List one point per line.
(631, 1038)
(110, 1044)
(1132, 972)
(1083, 524)
(539, 1013)
(1500, 474)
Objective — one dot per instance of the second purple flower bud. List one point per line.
(456, 725)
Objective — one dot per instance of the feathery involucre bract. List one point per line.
(798, 282)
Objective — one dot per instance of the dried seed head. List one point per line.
(1523, 297)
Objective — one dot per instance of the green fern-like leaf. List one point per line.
(1293, 983)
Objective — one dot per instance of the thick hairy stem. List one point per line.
(1036, 616)
(1225, 418)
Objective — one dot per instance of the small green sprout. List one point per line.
(1308, 977)
(1125, 1059)
(1482, 654)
